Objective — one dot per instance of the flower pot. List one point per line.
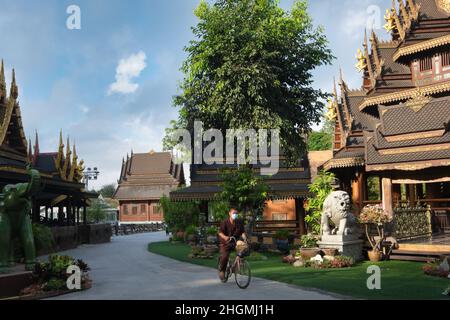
(282, 245)
(375, 255)
(210, 250)
(308, 253)
(180, 235)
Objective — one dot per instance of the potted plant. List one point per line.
(211, 234)
(374, 215)
(282, 240)
(308, 246)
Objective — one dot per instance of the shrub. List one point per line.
(309, 241)
(52, 274)
(55, 284)
(321, 188)
(281, 235)
(43, 238)
(212, 231)
(179, 215)
(190, 230)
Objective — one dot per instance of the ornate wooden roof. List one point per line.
(147, 176)
(396, 122)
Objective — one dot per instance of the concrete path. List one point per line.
(124, 269)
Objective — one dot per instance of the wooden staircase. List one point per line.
(419, 252)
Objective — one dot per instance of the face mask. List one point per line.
(235, 216)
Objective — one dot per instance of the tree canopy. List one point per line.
(250, 67)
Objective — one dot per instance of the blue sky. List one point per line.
(66, 77)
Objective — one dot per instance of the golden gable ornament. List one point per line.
(444, 5)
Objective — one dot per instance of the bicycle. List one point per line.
(240, 267)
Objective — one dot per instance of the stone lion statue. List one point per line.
(15, 221)
(336, 208)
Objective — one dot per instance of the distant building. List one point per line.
(144, 179)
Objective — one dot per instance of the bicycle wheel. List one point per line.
(227, 270)
(242, 273)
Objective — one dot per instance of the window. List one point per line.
(279, 216)
(156, 209)
(445, 59)
(125, 209)
(426, 64)
(134, 210)
(143, 209)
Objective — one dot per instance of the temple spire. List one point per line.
(60, 155)
(2, 82)
(30, 152)
(398, 24)
(375, 53)
(14, 91)
(36, 147)
(368, 60)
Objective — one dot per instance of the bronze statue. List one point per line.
(15, 221)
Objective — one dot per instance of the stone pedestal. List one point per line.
(346, 245)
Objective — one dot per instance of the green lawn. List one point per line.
(399, 279)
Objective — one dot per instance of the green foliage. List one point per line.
(52, 274)
(212, 231)
(107, 191)
(250, 66)
(55, 284)
(309, 241)
(179, 215)
(219, 210)
(190, 230)
(321, 188)
(373, 188)
(243, 189)
(319, 140)
(96, 211)
(281, 235)
(43, 238)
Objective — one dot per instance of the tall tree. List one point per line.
(250, 66)
(107, 191)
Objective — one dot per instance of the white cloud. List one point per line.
(128, 69)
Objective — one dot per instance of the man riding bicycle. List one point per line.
(230, 228)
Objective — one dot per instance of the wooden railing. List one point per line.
(275, 225)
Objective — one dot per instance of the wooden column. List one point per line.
(358, 194)
(386, 186)
(411, 191)
(84, 215)
(51, 214)
(78, 215)
(300, 215)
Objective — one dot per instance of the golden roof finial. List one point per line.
(362, 64)
(14, 91)
(60, 155)
(331, 113)
(390, 21)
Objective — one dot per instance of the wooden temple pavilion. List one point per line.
(62, 200)
(144, 179)
(284, 206)
(392, 136)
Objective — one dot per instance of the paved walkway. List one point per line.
(124, 269)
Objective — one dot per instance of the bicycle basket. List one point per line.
(242, 249)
